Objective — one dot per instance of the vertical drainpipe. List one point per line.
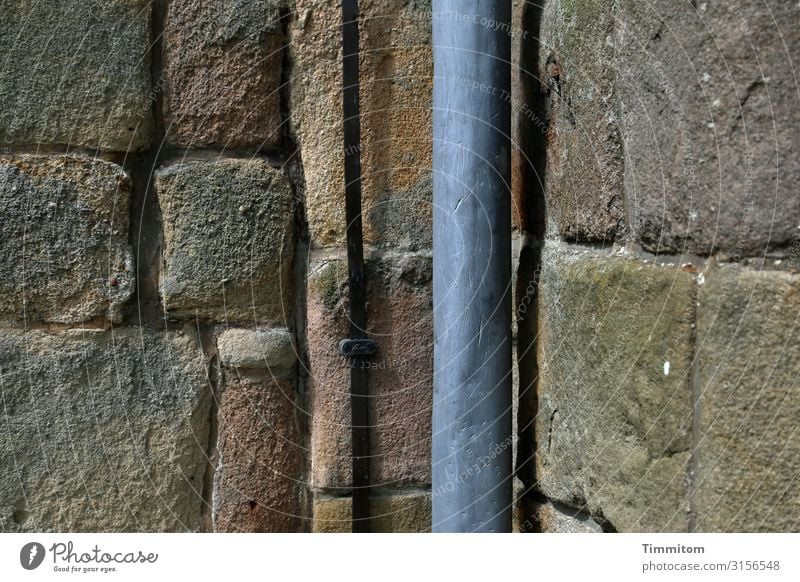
(472, 481)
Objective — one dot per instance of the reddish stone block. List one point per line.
(400, 321)
(223, 72)
(258, 483)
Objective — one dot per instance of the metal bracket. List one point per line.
(350, 348)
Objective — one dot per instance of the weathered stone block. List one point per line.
(76, 72)
(585, 200)
(259, 477)
(400, 513)
(261, 349)
(549, 517)
(709, 108)
(699, 100)
(103, 431)
(396, 89)
(399, 319)
(614, 397)
(223, 67)
(748, 457)
(64, 239)
(228, 241)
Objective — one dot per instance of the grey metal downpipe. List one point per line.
(472, 481)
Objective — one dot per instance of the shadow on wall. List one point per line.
(530, 133)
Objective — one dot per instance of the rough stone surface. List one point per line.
(401, 513)
(584, 194)
(529, 123)
(103, 431)
(748, 457)
(709, 108)
(400, 377)
(64, 239)
(223, 66)
(76, 73)
(672, 122)
(267, 349)
(228, 241)
(548, 517)
(612, 425)
(396, 87)
(258, 482)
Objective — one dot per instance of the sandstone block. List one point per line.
(261, 349)
(223, 64)
(748, 458)
(258, 482)
(396, 92)
(64, 239)
(585, 199)
(547, 517)
(77, 73)
(397, 513)
(612, 429)
(103, 431)
(708, 108)
(228, 241)
(400, 374)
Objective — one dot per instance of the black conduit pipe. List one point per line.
(357, 346)
(472, 481)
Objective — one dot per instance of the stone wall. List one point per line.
(174, 281)
(149, 344)
(662, 353)
(172, 236)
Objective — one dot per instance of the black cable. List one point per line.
(355, 262)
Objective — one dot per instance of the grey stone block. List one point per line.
(709, 110)
(76, 72)
(64, 239)
(748, 461)
(228, 241)
(103, 431)
(271, 349)
(614, 414)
